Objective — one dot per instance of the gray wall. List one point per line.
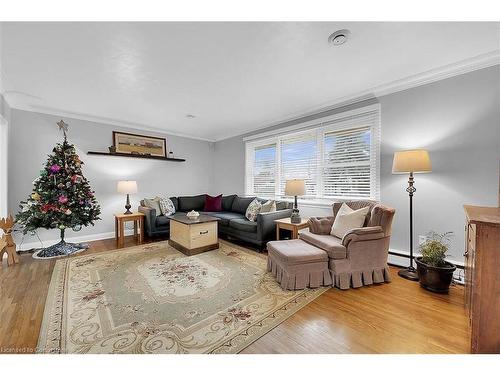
(457, 120)
(4, 134)
(4, 108)
(33, 135)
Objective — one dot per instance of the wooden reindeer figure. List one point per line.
(10, 246)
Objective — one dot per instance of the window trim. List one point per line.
(320, 126)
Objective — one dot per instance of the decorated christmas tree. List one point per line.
(61, 199)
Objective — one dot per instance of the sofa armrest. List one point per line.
(266, 227)
(150, 219)
(363, 234)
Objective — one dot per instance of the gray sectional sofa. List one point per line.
(232, 221)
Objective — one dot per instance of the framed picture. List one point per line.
(127, 143)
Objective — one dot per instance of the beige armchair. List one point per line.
(360, 257)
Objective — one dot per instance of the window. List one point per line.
(298, 159)
(337, 156)
(346, 163)
(264, 170)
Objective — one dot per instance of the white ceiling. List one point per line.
(234, 77)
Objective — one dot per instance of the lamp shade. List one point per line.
(295, 187)
(127, 187)
(416, 161)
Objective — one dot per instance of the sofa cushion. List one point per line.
(227, 202)
(240, 204)
(225, 217)
(162, 221)
(195, 202)
(213, 204)
(243, 225)
(293, 252)
(332, 245)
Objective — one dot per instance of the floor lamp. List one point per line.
(411, 161)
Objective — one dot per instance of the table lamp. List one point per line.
(127, 187)
(411, 161)
(294, 188)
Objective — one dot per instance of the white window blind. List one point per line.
(337, 156)
(298, 159)
(264, 170)
(346, 163)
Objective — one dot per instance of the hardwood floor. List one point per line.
(398, 317)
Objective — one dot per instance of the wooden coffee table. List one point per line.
(193, 236)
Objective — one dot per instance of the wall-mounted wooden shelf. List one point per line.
(134, 156)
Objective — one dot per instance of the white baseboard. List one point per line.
(417, 254)
(90, 237)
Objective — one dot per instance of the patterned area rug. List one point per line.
(154, 299)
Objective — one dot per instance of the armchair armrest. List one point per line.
(363, 234)
(150, 218)
(320, 225)
(266, 228)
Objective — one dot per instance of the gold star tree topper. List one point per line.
(63, 126)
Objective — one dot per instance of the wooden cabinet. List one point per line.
(482, 277)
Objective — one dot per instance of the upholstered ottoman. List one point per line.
(297, 264)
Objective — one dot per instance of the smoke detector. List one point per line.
(339, 37)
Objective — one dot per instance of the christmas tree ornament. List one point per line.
(54, 168)
(56, 200)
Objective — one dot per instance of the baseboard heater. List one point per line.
(459, 279)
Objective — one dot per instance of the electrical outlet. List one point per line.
(422, 239)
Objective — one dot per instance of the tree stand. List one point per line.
(60, 249)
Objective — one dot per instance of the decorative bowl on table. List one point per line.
(193, 214)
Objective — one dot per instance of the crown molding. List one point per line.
(101, 120)
(434, 75)
(447, 71)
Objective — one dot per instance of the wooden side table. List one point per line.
(121, 219)
(292, 227)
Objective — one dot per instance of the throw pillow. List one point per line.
(348, 219)
(213, 204)
(253, 210)
(269, 206)
(153, 203)
(167, 206)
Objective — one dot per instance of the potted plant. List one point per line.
(434, 272)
